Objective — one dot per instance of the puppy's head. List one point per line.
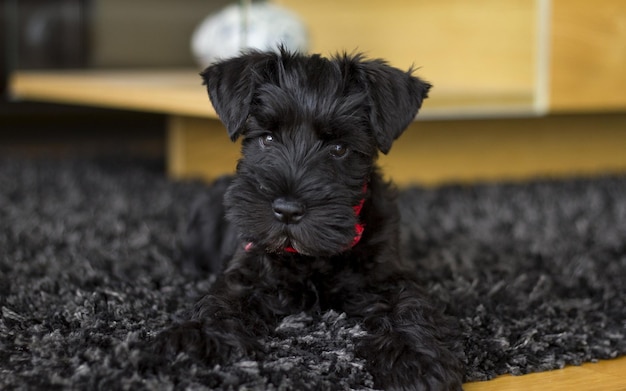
(312, 128)
(392, 97)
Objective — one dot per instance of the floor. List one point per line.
(602, 376)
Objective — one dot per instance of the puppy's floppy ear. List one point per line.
(231, 84)
(394, 96)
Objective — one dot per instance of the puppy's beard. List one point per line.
(293, 243)
(278, 244)
(310, 238)
(286, 244)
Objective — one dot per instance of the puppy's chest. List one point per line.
(314, 292)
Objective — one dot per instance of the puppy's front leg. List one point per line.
(408, 343)
(226, 323)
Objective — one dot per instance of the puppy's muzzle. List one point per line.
(288, 211)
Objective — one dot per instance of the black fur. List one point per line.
(312, 128)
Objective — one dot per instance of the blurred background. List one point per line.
(90, 34)
(516, 81)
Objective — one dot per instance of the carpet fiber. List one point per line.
(89, 273)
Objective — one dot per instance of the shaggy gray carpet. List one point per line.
(90, 272)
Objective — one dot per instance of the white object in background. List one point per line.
(226, 33)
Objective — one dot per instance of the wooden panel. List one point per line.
(434, 152)
(199, 148)
(588, 68)
(458, 44)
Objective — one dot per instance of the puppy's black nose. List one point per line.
(288, 211)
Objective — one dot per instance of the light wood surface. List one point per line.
(199, 148)
(474, 45)
(177, 91)
(436, 152)
(569, 54)
(180, 92)
(602, 376)
(588, 59)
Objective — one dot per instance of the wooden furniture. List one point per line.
(464, 47)
(447, 144)
(588, 56)
(197, 142)
(561, 55)
(498, 67)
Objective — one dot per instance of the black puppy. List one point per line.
(317, 225)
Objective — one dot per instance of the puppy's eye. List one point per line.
(266, 140)
(338, 150)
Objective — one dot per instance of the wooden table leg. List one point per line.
(199, 148)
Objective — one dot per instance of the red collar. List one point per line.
(359, 227)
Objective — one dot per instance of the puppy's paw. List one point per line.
(397, 365)
(201, 341)
(185, 337)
